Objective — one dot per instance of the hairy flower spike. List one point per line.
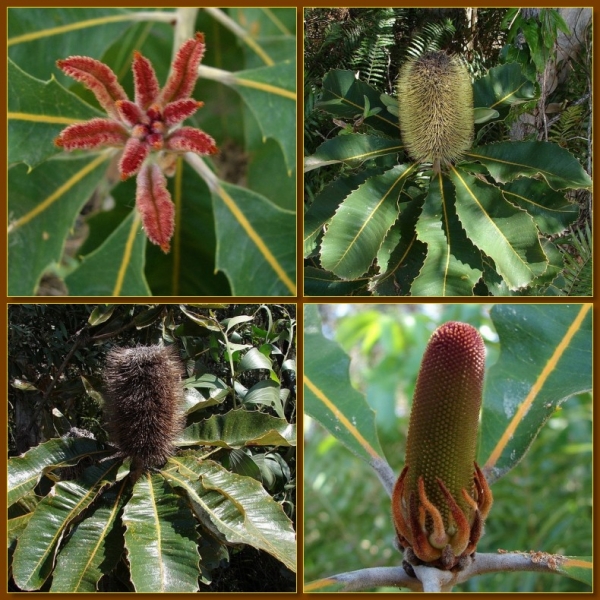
(441, 498)
(148, 129)
(436, 108)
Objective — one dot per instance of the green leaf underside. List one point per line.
(324, 206)
(344, 96)
(34, 557)
(255, 243)
(160, 538)
(37, 112)
(361, 222)
(552, 212)
(453, 265)
(42, 208)
(116, 268)
(545, 357)
(350, 149)
(240, 428)
(330, 398)
(506, 161)
(238, 507)
(25, 471)
(275, 112)
(504, 232)
(94, 547)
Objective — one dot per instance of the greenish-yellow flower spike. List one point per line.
(441, 499)
(435, 108)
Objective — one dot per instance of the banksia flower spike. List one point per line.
(441, 498)
(148, 129)
(144, 403)
(435, 108)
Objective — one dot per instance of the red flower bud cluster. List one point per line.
(148, 129)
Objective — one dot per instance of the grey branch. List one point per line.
(430, 579)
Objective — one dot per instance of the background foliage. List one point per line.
(56, 357)
(70, 215)
(544, 503)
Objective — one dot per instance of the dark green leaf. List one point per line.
(239, 428)
(161, 538)
(507, 161)
(358, 228)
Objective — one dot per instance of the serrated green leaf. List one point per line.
(256, 243)
(34, 556)
(400, 266)
(360, 224)
(94, 548)
(507, 161)
(502, 87)
(344, 96)
(24, 472)
(239, 428)
(37, 37)
(160, 538)
(552, 212)
(37, 112)
(42, 208)
(351, 149)
(324, 206)
(453, 265)
(238, 507)
(116, 268)
(545, 357)
(330, 398)
(270, 93)
(505, 233)
(318, 282)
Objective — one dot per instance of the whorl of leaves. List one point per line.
(143, 403)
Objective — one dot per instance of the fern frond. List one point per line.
(431, 38)
(576, 278)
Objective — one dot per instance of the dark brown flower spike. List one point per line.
(441, 498)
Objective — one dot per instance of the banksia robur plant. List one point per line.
(144, 403)
(435, 108)
(441, 498)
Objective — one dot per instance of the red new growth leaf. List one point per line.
(92, 134)
(154, 204)
(146, 84)
(184, 71)
(188, 139)
(130, 113)
(176, 112)
(97, 77)
(134, 154)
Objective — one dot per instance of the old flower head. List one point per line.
(441, 498)
(148, 129)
